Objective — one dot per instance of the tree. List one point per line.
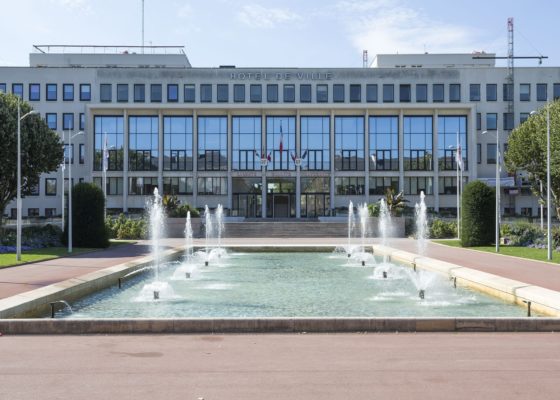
(527, 152)
(395, 201)
(41, 149)
(479, 214)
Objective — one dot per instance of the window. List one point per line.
(50, 186)
(355, 93)
(315, 143)
(447, 185)
(479, 121)
(438, 95)
(491, 153)
(212, 143)
(50, 212)
(109, 130)
(415, 184)
(105, 92)
(17, 89)
(51, 91)
(371, 93)
(143, 143)
(350, 185)
(455, 92)
(68, 92)
(255, 93)
(523, 117)
(34, 92)
(422, 93)
(272, 93)
(85, 92)
(305, 93)
(189, 94)
(451, 129)
(474, 92)
(508, 92)
(289, 93)
(388, 93)
(206, 93)
(212, 186)
(142, 186)
(246, 143)
(380, 185)
(68, 121)
(52, 121)
(122, 92)
(2, 88)
(349, 143)
(384, 143)
(177, 186)
(418, 139)
(508, 121)
(32, 212)
(177, 143)
(222, 95)
(315, 197)
(478, 153)
(281, 143)
(322, 93)
(239, 93)
(525, 92)
(114, 185)
(34, 190)
(82, 153)
(139, 93)
(68, 154)
(172, 93)
(555, 89)
(491, 121)
(542, 94)
(491, 92)
(405, 93)
(338, 93)
(155, 93)
(82, 121)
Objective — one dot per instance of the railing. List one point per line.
(108, 49)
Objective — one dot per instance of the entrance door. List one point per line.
(281, 206)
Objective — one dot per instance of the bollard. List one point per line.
(52, 309)
(421, 294)
(187, 275)
(156, 295)
(205, 263)
(363, 263)
(414, 266)
(385, 274)
(120, 283)
(528, 307)
(455, 282)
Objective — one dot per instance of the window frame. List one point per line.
(105, 86)
(171, 99)
(436, 88)
(48, 96)
(156, 97)
(83, 96)
(68, 85)
(120, 86)
(386, 87)
(47, 180)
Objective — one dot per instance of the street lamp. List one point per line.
(70, 137)
(497, 189)
(18, 189)
(459, 186)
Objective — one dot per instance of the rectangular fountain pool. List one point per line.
(287, 285)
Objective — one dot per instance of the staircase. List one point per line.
(280, 229)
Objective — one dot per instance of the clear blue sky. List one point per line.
(284, 33)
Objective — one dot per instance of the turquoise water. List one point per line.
(288, 285)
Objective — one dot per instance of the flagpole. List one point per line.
(104, 183)
(458, 190)
(62, 183)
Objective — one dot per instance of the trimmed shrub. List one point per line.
(440, 229)
(522, 234)
(88, 222)
(479, 215)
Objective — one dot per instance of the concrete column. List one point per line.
(263, 168)
(435, 179)
(160, 151)
(195, 160)
(298, 169)
(125, 161)
(366, 153)
(229, 159)
(331, 153)
(401, 150)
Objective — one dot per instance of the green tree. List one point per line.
(395, 201)
(527, 152)
(479, 214)
(41, 149)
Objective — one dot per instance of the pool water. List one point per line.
(288, 285)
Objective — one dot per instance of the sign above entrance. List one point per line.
(281, 76)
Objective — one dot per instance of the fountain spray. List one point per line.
(351, 224)
(208, 230)
(156, 225)
(421, 224)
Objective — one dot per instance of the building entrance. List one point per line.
(280, 199)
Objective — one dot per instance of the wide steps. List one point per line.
(284, 229)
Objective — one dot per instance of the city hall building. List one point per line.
(276, 142)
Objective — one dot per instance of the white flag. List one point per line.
(105, 155)
(459, 157)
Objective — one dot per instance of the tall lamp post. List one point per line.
(497, 189)
(18, 188)
(70, 137)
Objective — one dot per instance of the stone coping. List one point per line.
(274, 325)
(543, 301)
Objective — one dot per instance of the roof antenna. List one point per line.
(142, 26)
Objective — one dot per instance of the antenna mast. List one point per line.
(143, 27)
(365, 59)
(510, 67)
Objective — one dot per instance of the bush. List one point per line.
(522, 234)
(479, 214)
(123, 227)
(373, 209)
(440, 229)
(32, 237)
(88, 220)
(174, 208)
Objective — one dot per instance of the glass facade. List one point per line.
(380, 184)
(418, 143)
(143, 143)
(178, 143)
(384, 143)
(177, 185)
(111, 128)
(452, 132)
(315, 143)
(315, 199)
(212, 143)
(281, 143)
(246, 143)
(349, 143)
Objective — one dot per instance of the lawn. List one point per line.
(517, 251)
(9, 259)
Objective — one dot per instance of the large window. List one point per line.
(177, 185)
(142, 186)
(246, 138)
(315, 197)
(447, 185)
(281, 143)
(143, 143)
(34, 92)
(491, 92)
(413, 185)
(111, 128)
(450, 130)
(384, 143)
(68, 92)
(418, 143)
(349, 143)
(177, 143)
(378, 185)
(114, 185)
(315, 143)
(212, 186)
(349, 185)
(212, 143)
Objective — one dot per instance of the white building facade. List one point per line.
(277, 142)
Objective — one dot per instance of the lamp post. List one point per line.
(18, 188)
(497, 189)
(70, 137)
